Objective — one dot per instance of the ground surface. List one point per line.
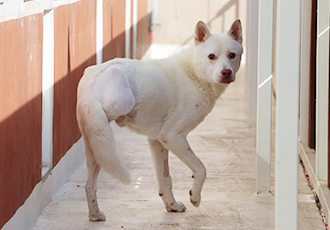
(226, 146)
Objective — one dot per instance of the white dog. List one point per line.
(163, 99)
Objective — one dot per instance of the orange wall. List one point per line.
(21, 86)
(113, 29)
(75, 46)
(143, 34)
(20, 111)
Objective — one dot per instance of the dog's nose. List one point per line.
(226, 73)
(226, 76)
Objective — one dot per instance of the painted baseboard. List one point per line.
(307, 155)
(27, 215)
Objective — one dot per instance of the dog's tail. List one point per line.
(97, 132)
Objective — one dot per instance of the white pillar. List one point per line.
(304, 69)
(252, 59)
(99, 31)
(264, 103)
(287, 100)
(135, 22)
(322, 89)
(47, 91)
(128, 29)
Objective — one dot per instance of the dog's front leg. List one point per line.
(180, 147)
(160, 157)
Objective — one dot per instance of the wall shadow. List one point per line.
(20, 133)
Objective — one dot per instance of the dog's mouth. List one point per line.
(227, 80)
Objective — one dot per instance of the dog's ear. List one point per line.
(236, 31)
(201, 32)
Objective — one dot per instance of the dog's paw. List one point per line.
(97, 217)
(195, 198)
(176, 207)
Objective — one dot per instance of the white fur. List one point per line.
(162, 99)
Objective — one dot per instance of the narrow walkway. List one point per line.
(226, 146)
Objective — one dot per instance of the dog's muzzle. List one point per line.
(226, 76)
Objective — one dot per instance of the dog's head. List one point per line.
(217, 57)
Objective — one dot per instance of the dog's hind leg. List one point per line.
(110, 95)
(160, 157)
(91, 185)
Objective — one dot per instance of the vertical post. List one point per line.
(99, 31)
(287, 73)
(128, 29)
(305, 51)
(155, 11)
(135, 22)
(264, 102)
(322, 89)
(252, 59)
(47, 91)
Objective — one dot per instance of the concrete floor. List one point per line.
(226, 146)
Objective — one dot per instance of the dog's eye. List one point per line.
(212, 56)
(232, 55)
